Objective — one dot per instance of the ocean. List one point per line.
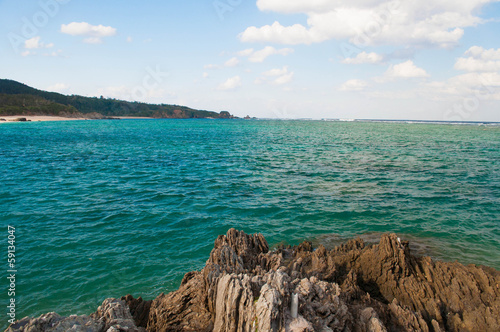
(107, 208)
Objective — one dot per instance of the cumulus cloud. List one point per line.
(364, 57)
(276, 33)
(479, 60)
(296, 6)
(93, 33)
(35, 43)
(230, 84)
(232, 62)
(246, 52)
(353, 85)
(278, 76)
(404, 70)
(485, 86)
(284, 79)
(276, 71)
(369, 22)
(261, 55)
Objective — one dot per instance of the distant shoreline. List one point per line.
(44, 118)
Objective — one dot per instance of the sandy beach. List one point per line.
(36, 118)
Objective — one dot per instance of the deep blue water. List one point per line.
(107, 208)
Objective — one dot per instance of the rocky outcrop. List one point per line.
(353, 287)
(112, 315)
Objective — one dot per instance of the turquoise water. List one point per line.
(107, 208)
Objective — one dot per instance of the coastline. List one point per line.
(45, 118)
(245, 286)
(37, 118)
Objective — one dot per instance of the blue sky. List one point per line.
(427, 59)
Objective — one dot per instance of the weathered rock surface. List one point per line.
(354, 287)
(112, 315)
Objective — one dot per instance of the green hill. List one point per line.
(19, 99)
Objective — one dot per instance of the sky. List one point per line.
(357, 59)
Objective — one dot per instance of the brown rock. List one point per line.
(112, 315)
(139, 309)
(353, 287)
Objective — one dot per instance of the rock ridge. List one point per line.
(354, 287)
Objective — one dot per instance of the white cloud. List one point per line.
(276, 71)
(261, 55)
(230, 84)
(278, 76)
(485, 86)
(232, 62)
(404, 70)
(34, 43)
(479, 52)
(284, 79)
(205, 75)
(479, 60)
(353, 85)
(246, 52)
(276, 33)
(295, 6)
(93, 33)
(58, 87)
(364, 57)
(129, 39)
(369, 22)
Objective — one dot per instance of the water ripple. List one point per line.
(106, 208)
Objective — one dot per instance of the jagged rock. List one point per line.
(139, 309)
(234, 308)
(112, 315)
(185, 309)
(353, 287)
(269, 310)
(406, 319)
(369, 321)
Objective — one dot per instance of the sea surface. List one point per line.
(107, 208)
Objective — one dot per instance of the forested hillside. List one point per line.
(19, 99)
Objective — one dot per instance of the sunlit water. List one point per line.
(107, 208)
